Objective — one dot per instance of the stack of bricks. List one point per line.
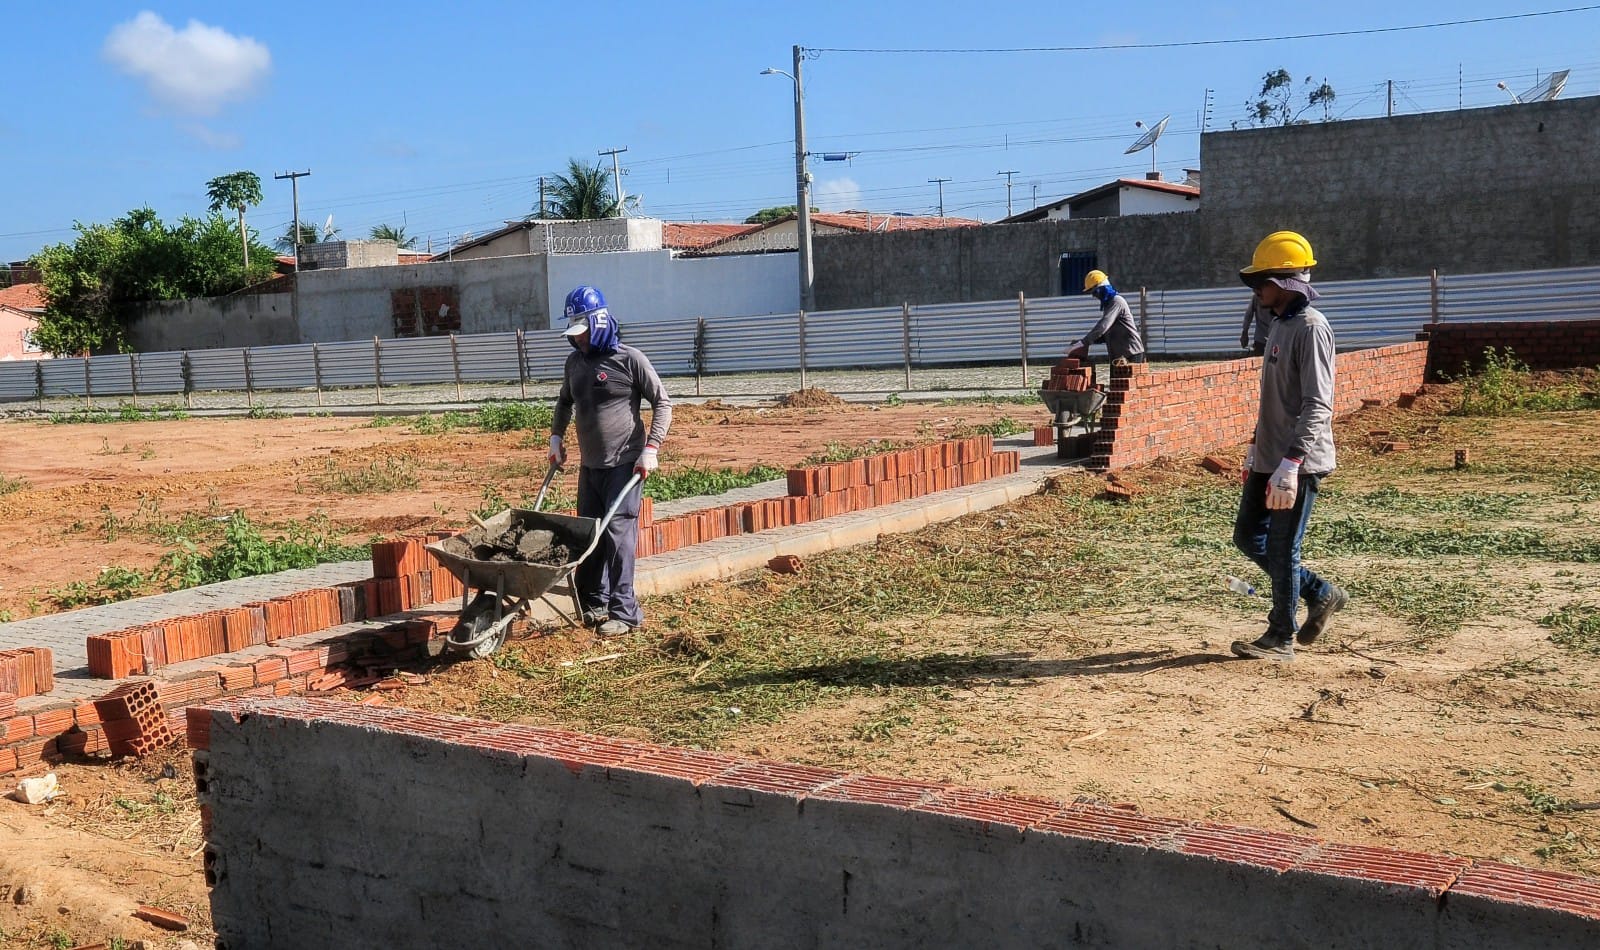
(133, 720)
(405, 575)
(1069, 375)
(822, 491)
(27, 671)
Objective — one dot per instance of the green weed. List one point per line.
(113, 584)
(9, 485)
(430, 424)
(262, 412)
(381, 421)
(512, 416)
(1505, 385)
(245, 552)
(384, 475)
(836, 451)
(688, 481)
(1576, 627)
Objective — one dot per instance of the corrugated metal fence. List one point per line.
(1365, 313)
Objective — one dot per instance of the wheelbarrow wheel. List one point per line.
(476, 635)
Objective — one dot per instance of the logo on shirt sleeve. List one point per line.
(601, 376)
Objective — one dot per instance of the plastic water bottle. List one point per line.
(1239, 586)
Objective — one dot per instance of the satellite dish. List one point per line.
(1148, 139)
(1549, 88)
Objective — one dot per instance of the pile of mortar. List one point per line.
(516, 543)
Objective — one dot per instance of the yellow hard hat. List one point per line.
(1094, 279)
(1281, 251)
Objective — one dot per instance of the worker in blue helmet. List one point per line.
(602, 385)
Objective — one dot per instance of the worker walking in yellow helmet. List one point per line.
(1115, 327)
(1292, 449)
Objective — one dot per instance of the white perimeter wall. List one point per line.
(646, 286)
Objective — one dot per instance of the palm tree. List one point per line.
(308, 235)
(388, 232)
(583, 193)
(238, 191)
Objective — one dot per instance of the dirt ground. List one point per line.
(1064, 646)
(96, 495)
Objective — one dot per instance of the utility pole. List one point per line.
(616, 176)
(940, 182)
(294, 187)
(540, 212)
(1390, 113)
(1008, 175)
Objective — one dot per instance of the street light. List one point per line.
(802, 185)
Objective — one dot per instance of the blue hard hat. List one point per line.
(583, 301)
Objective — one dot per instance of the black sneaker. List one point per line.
(1268, 647)
(594, 618)
(1321, 614)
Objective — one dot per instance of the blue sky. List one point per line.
(441, 117)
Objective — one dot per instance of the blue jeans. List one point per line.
(605, 578)
(1272, 540)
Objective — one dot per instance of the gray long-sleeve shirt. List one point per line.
(1297, 374)
(605, 389)
(1117, 328)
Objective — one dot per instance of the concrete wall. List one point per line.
(644, 286)
(496, 294)
(998, 261)
(1478, 191)
(213, 322)
(351, 826)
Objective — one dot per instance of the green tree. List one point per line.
(95, 286)
(584, 193)
(238, 191)
(388, 232)
(1276, 103)
(766, 215)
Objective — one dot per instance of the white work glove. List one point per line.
(647, 463)
(1249, 463)
(1283, 485)
(558, 452)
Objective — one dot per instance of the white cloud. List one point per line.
(195, 70)
(838, 194)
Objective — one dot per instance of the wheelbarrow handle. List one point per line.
(545, 487)
(600, 529)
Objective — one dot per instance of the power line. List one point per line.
(1225, 42)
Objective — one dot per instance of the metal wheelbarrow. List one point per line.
(1072, 410)
(495, 593)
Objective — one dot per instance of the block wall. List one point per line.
(1542, 344)
(356, 826)
(1152, 413)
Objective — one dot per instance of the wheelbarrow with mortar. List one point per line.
(500, 585)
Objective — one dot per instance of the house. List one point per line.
(1125, 196)
(780, 234)
(693, 236)
(551, 236)
(21, 305)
